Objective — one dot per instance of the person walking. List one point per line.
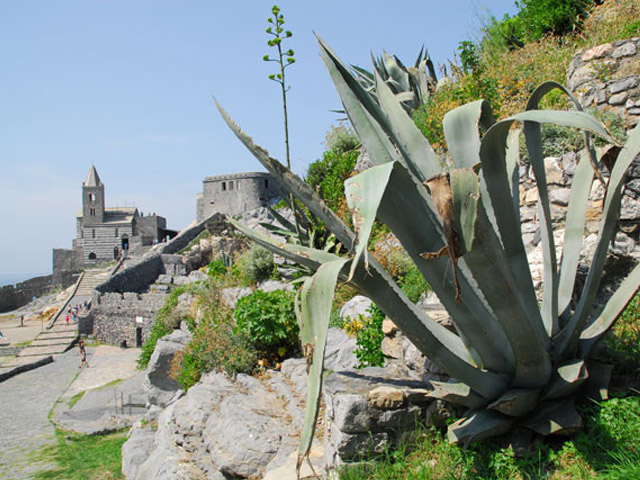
(67, 318)
(83, 354)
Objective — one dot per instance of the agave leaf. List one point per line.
(496, 280)
(465, 193)
(309, 257)
(596, 386)
(418, 154)
(363, 111)
(292, 183)
(480, 425)
(516, 402)
(549, 307)
(555, 417)
(497, 199)
(457, 392)
(574, 232)
(282, 220)
(396, 71)
(613, 308)
(567, 379)
(316, 298)
(364, 193)
(568, 338)
(512, 158)
(566, 119)
(443, 347)
(461, 131)
(404, 200)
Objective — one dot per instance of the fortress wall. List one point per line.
(12, 297)
(236, 193)
(116, 317)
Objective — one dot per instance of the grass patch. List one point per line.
(607, 448)
(80, 457)
(112, 383)
(26, 343)
(75, 399)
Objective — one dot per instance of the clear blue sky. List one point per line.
(128, 86)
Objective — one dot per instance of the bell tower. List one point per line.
(92, 199)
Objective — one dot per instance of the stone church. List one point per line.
(104, 233)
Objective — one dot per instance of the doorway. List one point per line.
(138, 337)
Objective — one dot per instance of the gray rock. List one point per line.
(244, 434)
(136, 450)
(230, 296)
(364, 162)
(197, 276)
(622, 85)
(295, 369)
(181, 280)
(164, 278)
(339, 353)
(618, 98)
(358, 305)
(625, 50)
(161, 388)
(271, 285)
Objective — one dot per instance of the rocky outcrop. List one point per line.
(159, 386)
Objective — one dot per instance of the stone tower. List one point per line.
(92, 199)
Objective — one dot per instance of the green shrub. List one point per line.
(255, 265)
(341, 139)
(328, 174)
(215, 346)
(623, 341)
(269, 321)
(217, 268)
(165, 323)
(413, 284)
(369, 339)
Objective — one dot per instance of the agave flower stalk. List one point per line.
(511, 361)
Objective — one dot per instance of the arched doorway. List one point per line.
(92, 256)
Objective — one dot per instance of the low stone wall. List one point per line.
(117, 317)
(369, 411)
(608, 76)
(136, 278)
(15, 296)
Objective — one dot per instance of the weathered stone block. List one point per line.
(597, 52)
(618, 98)
(385, 397)
(622, 85)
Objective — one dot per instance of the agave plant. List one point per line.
(512, 361)
(412, 86)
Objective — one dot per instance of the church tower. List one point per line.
(92, 199)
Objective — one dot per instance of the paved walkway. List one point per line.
(25, 401)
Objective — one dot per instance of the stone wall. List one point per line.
(236, 193)
(136, 278)
(67, 265)
(15, 296)
(608, 76)
(116, 317)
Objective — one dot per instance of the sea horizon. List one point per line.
(13, 278)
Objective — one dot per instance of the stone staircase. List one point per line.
(91, 279)
(59, 337)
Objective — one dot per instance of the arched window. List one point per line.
(92, 197)
(92, 256)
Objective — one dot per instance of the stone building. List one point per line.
(103, 233)
(236, 193)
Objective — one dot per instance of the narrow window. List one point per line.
(231, 185)
(266, 183)
(224, 186)
(237, 184)
(92, 197)
(116, 233)
(93, 233)
(92, 211)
